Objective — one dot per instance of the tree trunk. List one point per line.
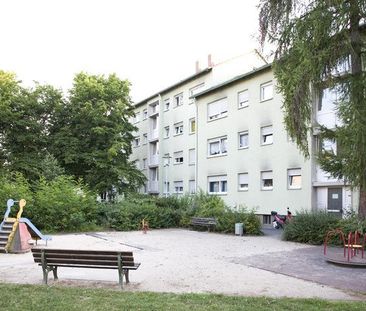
(362, 204)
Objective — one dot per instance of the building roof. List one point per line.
(188, 79)
(233, 80)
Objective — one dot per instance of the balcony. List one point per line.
(154, 160)
(154, 186)
(154, 110)
(154, 135)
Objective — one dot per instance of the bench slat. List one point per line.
(77, 251)
(134, 267)
(83, 257)
(51, 261)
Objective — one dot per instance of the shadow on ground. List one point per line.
(308, 264)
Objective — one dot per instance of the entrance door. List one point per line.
(335, 201)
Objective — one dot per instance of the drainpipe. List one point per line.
(196, 155)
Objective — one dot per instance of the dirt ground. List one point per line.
(182, 261)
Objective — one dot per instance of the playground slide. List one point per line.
(34, 232)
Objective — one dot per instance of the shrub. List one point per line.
(16, 187)
(63, 205)
(310, 227)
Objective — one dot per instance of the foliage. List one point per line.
(311, 227)
(14, 186)
(319, 45)
(25, 122)
(41, 298)
(63, 205)
(92, 134)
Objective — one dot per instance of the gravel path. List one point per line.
(182, 261)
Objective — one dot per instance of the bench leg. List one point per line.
(45, 275)
(120, 275)
(54, 270)
(127, 275)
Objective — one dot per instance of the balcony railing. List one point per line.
(154, 159)
(154, 134)
(153, 186)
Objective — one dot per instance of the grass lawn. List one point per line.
(43, 298)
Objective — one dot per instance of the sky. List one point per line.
(153, 44)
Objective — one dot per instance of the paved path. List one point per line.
(175, 260)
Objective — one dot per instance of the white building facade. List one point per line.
(228, 139)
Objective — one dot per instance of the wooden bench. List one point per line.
(204, 222)
(50, 259)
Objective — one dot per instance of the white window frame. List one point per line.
(267, 135)
(192, 186)
(222, 146)
(144, 138)
(136, 141)
(166, 187)
(178, 157)
(217, 109)
(243, 179)
(240, 134)
(191, 121)
(264, 92)
(291, 173)
(192, 156)
(220, 181)
(166, 104)
(178, 100)
(266, 175)
(178, 128)
(136, 118)
(144, 114)
(144, 163)
(178, 187)
(243, 102)
(166, 131)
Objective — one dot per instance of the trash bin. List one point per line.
(239, 229)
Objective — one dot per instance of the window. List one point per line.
(144, 163)
(243, 99)
(294, 178)
(192, 186)
(328, 100)
(178, 157)
(144, 114)
(267, 135)
(194, 90)
(243, 139)
(154, 108)
(217, 184)
(166, 187)
(267, 180)
(217, 109)
(166, 104)
(178, 128)
(192, 126)
(178, 100)
(136, 142)
(217, 146)
(266, 91)
(166, 131)
(267, 219)
(166, 159)
(144, 138)
(329, 145)
(178, 187)
(191, 156)
(243, 180)
(136, 118)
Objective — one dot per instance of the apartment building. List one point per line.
(228, 139)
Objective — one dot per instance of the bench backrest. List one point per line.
(203, 221)
(108, 259)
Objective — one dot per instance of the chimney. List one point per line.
(210, 64)
(198, 66)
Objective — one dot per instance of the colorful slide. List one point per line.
(15, 233)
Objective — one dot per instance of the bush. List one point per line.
(15, 187)
(310, 227)
(63, 205)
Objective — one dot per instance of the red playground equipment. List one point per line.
(353, 245)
